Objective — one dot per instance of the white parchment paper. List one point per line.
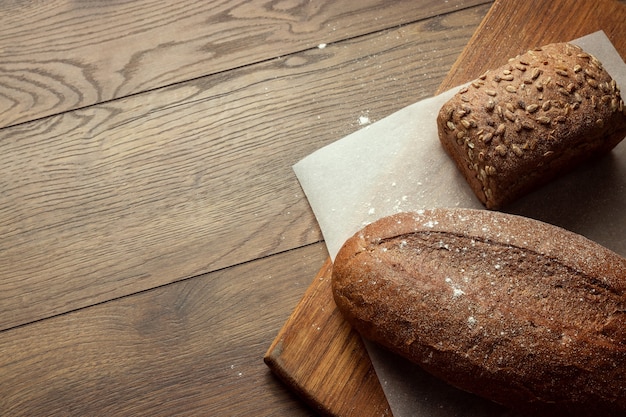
(397, 164)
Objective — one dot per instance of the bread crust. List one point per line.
(519, 126)
(517, 311)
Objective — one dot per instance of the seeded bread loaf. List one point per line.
(521, 125)
(512, 309)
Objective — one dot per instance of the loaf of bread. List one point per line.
(517, 127)
(520, 312)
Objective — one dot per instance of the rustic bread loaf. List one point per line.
(521, 125)
(512, 309)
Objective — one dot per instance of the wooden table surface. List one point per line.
(153, 236)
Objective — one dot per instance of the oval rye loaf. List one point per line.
(520, 312)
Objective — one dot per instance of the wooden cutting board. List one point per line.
(316, 353)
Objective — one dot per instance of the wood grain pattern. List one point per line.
(286, 356)
(182, 167)
(158, 183)
(553, 21)
(124, 196)
(62, 55)
(191, 348)
(356, 390)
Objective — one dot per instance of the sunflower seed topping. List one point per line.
(532, 108)
(562, 72)
(590, 73)
(535, 74)
(509, 115)
(544, 120)
(515, 120)
(500, 130)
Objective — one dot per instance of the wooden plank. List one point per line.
(543, 22)
(186, 349)
(62, 55)
(290, 356)
(117, 198)
(356, 390)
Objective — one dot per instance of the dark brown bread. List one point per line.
(540, 115)
(512, 309)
